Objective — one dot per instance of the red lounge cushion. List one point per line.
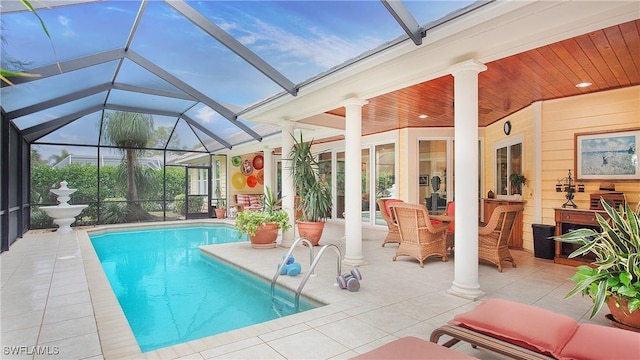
(389, 202)
(524, 325)
(596, 342)
(412, 348)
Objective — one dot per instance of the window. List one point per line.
(509, 160)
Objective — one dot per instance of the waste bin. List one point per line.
(543, 246)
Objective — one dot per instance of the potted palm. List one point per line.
(313, 193)
(614, 277)
(262, 225)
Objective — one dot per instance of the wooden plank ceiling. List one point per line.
(608, 58)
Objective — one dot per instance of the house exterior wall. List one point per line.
(560, 120)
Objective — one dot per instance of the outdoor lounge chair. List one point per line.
(393, 236)
(493, 238)
(411, 347)
(522, 331)
(419, 237)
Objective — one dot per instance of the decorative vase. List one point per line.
(265, 237)
(621, 314)
(311, 230)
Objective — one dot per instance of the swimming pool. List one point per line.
(170, 293)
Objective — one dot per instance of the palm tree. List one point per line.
(130, 132)
(54, 159)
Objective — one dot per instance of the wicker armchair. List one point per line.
(450, 218)
(493, 238)
(419, 237)
(394, 235)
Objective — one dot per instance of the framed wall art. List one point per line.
(609, 155)
(423, 179)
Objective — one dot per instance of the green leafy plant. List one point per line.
(40, 219)
(313, 191)
(249, 221)
(616, 269)
(221, 202)
(114, 211)
(195, 204)
(517, 180)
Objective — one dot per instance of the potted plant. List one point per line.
(220, 209)
(517, 180)
(614, 277)
(313, 193)
(262, 225)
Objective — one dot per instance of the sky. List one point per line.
(300, 39)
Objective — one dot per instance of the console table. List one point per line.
(570, 219)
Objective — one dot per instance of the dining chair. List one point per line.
(393, 236)
(419, 237)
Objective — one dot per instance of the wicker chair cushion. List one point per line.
(595, 342)
(451, 211)
(389, 202)
(531, 327)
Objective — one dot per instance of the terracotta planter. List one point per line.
(623, 316)
(265, 237)
(220, 213)
(311, 230)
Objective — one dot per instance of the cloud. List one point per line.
(318, 47)
(67, 31)
(206, 114)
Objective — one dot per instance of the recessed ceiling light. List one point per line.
(583, 84)
(423, 116)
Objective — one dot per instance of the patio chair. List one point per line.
(419, 237)
(393, 236)
(450, 218)
(493, 238)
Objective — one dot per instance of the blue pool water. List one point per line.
(170, 293)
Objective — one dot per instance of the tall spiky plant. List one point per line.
(314, 193)
(130, 132)
(616, 269)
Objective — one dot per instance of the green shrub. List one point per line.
(114, 211)
(195, 204)
(40, 220)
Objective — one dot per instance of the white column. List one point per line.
(268, 169)
(465, 283)
(288, 191)
(352, 182)
(537, 163)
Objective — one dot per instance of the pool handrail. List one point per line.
(286, 258)
(313, 266)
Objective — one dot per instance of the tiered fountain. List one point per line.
(63, 214)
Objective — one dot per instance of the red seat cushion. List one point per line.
(596, 342)
(451, 211)
(389, 202)
(528, 326)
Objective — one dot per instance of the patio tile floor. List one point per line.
(56, 300)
